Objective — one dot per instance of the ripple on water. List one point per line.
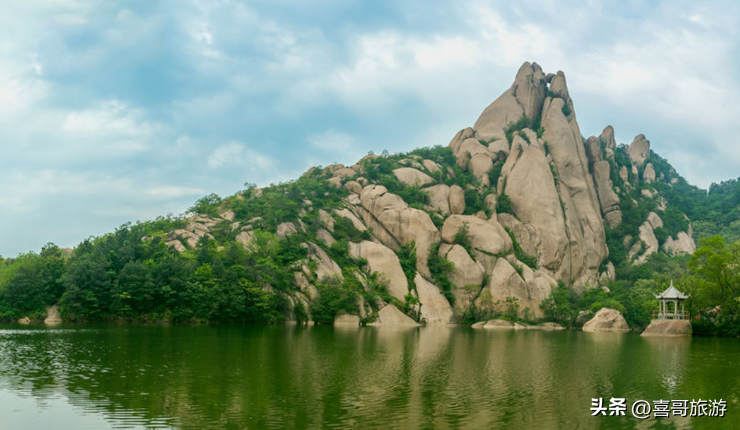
(274, 377)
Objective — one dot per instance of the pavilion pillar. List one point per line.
(675, 309)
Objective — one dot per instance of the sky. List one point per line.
(120, 111)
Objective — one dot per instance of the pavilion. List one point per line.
(671, 295)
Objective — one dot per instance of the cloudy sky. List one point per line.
(120, 111)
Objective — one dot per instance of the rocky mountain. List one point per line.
(512, 208)
(513, 205)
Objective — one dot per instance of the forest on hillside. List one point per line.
(132, 274)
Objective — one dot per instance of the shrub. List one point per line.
(567, 109)
(440, 268)
(333, 298)
(519, 253)
(407, 258)
(503, 205)
(462, 237)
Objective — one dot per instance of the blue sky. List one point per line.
(120, 111)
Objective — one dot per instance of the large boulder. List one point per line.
(639, 150)
(467, 277)
(383, 260)
(607, 320)
(487, 236)
(412, 177)
(53, 316)
(469, 149)
(623, 173)
(683, 243)
(505, 282)
(607, 136)
(439, 198)
(457, 200)
(326, 268)
(403, 223)
(668, 328)
(526, 235)
(647, 236)
(480, 164)
(346, 213)
(490, 133)
(498, 325)
(649, 174)
(343, 319)
(431, 166)
(326, 220)
(286, 229)
(435, 309)
(392, 316)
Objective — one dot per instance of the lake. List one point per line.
(237, 377)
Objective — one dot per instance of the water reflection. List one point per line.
(374, 377)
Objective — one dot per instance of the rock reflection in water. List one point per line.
(371, 377)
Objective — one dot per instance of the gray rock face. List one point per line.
(326, 268)
(534, 197)
(649, 174)
(383, 260)
(668, 328)
(467, 277)
(393, 317)
(480, 164)
(647, 235)
(431, 166)
(403, 225)
(607, 136)
(526, 235)
(506, 282)
(593, 150)
(346, 320)
(623, 173)
(548, 326)
(498, 325)
(608, 199)
(557, 201)
(435, 309)
(488, 236)
(439, 198)
(607, 320)
(683, 243)
(584, 229)
(457, 200)
(286, 229)
(326, 220)
(53, 317)
(639, 150)
(524, 98)
(412, 177)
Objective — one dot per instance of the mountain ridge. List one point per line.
(491, 224)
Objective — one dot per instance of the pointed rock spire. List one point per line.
(524, 98)
(607, 136)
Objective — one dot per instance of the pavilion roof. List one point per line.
(672, 293)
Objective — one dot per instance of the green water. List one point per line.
(321, 377)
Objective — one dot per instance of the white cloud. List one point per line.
(236, 154)
(333, 140)
(174, 191)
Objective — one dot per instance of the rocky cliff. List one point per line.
(488, 225)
